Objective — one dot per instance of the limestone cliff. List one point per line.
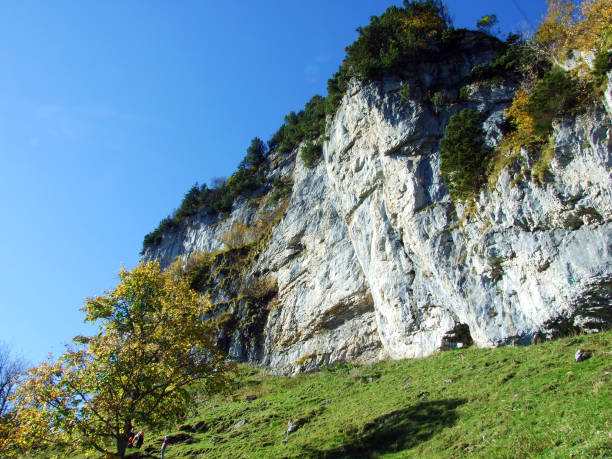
(370, 257)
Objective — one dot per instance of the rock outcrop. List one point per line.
(372, 258)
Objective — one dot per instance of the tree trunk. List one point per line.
(121, 446)
(122, 439)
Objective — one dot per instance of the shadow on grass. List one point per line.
(395, 431)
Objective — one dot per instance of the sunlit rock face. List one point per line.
(374, 260)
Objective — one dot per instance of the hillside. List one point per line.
(531, 401)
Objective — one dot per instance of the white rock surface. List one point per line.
(372, 258)
(511, 272)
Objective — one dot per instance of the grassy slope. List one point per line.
(506, 402)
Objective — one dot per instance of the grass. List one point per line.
(533, 401)
(541, 173)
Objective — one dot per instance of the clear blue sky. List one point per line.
(111, 110)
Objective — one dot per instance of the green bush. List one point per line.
(311, 152)
(507, 61)
(336, 87)
(191, 203)
(463, 154)
(479, 71)
(392, 38)
(439, 99)
(241, 182)
(465, 92)
(602, 64)
(308, 124)
(256, 155)
(389, 42)
(557, 93)
(220, 200)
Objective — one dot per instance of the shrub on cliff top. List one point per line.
(307, 124)
(397, 34)
(220, 199)
(155, 236)
(388, 42)
(255, 156)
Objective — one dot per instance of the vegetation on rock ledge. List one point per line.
(463, 154)
(548, 92)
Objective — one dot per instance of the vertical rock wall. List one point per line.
(373, 259)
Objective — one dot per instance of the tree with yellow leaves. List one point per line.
(151, 346)
(570, 25)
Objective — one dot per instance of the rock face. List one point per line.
(373, 259)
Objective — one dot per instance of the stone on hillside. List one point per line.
(581, 355)
(239, 424)
(291, 427)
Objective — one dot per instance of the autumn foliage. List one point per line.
(570, 25)
(546, 96)
(136, 371)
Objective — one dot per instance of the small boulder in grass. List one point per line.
(291, 427)
(581, 355)
(239, 424)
